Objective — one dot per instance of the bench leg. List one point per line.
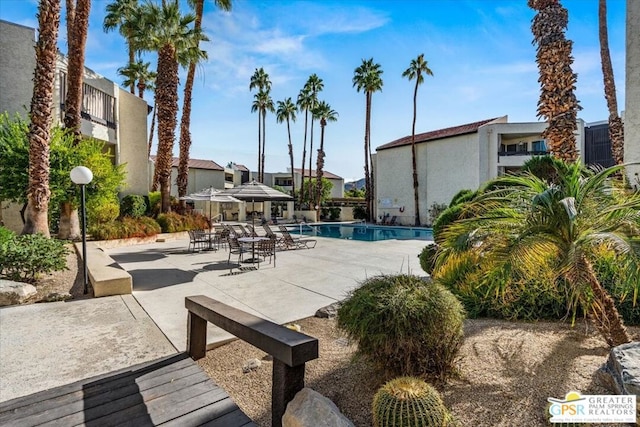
(196, 336)
(287, 381)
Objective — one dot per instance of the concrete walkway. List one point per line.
(49, 345)
(303, 280)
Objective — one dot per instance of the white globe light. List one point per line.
(81, 175)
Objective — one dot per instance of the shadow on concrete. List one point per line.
(218, 266)
(138, 257)
(148, 280)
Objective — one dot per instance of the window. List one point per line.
(283, 182)
(539, 146)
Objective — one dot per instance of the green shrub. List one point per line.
(155, 201)
(428, 257)
(462, 196)
(403, 325)
(24, 258)
(102, 209)
(133, 206)
(447, 216)
(125, 228)
(5, 235)
(359, 212)
(173, 222)
(409, 401)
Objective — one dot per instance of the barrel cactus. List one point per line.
(409, 401)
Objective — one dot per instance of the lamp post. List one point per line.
(82, 176)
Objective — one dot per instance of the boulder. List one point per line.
(311, 409)
(251, 365)
(621, 372)
(328, 312)
(12, 293)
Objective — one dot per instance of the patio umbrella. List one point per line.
(211, 195)
(256, 192)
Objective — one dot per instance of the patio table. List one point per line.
(252, 240)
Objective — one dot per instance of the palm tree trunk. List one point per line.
(259, 142)
(75, 71)
(185, 136)
(606, 317)
(367, 175)
(414, 164)
(319, 172)
(41, 117)
(616, 129)
(264, 142)
(167, 104)
(304, 156)
(310, 196)
(293, 182)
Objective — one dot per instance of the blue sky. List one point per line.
(480, 53)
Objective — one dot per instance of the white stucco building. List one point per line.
(632, 95)
(450, 160)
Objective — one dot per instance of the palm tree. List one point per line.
(287, 112)
(169, 33)
(314, 85)
(324, 114)
(185, 123)
(416, 69)
(616, 128)
(138, 74)
(77, 26)
(41, 117)
(368, 78)
(521, 224)
(260, 80)
(124, 15)
(558, 104)
(304, 102)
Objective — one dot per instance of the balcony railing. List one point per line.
(523, 153)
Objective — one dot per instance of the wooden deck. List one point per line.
(172, 391)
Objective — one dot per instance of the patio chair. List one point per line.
(197, 240)
(392, 221)
(235, 248)
(251, 231)
(280, 243)
(267, 248)
(296, 243)
(242, 231)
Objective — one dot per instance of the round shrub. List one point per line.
(447, 216)
(24, 258)
(428, 257)
(409, 401)
(404, 326)
(102, 209)
(133, 206)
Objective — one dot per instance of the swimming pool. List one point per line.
(364, 232)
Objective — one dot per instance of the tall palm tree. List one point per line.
(315, 85)
(185, 122)
(368, 78)
(324, 114)
(524, 223)
(417, 70)
(304, 102)
(77, 24)
(260, 80)
(169, 33)
(138, 74)
(38, 195)
(558, 104)
(287, 112)
(125, 15)
(616, 128)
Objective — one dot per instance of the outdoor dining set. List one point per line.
(241, 240)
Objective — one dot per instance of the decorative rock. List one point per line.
(15, 292)
(328, 312)
(251, 365)
(311, 409)
(55, 296)
(621, 373)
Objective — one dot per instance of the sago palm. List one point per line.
(324, 114)
(287, 112)
(368, 78)
(521, 223)
(417, 70)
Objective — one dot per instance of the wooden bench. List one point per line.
(290, 349)
(172, 391)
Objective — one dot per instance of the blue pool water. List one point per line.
(369, 233)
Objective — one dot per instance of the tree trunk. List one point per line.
(264, 142)
(150, 143)
(304, 156)
(69, 226)
(319, 170)
(185, 136)
(616, 128)
(167, 104)
(310, 196)
(414, 163)
(41, 117)
(367, 175)
(293, 182)
(259, 142)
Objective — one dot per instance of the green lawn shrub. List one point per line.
(173, 222)
(24, 258)
(5, 235)
(133, 205)
(102, 209)
(404, 325)
(125, 228)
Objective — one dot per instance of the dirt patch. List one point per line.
(507, 371)
(67, 281)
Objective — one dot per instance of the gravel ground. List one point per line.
(507, 372)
